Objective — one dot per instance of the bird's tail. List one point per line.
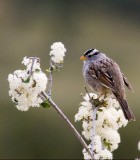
(125, 108)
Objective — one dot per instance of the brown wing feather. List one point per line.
(101, 70)
(127, 83)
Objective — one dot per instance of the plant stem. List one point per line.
(50, 81)
(73, 129)
(95, 109)
(33, 61)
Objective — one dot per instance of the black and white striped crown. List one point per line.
(91, 52)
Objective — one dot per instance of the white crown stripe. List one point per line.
(93, 52)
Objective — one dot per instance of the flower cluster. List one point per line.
(57, 52)
(109, 119)
(26, 85)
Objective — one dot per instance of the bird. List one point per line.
(103, 75)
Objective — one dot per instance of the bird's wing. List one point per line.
(127, 83)
(102, 70)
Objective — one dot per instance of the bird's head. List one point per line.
(89, 53)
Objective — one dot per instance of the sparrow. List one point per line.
(103, 75)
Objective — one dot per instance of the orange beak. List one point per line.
(83, 58)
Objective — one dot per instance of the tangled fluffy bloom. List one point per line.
(99, 153)
(87, 156)
(26, 85)
(28, 62)
(105, 154)
(57, 52)
(109, 119)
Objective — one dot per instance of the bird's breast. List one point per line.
(92, 81)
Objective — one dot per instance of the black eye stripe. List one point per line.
(96, 53)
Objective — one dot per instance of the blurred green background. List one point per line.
(28, 28)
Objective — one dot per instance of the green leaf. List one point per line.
(100, 110)
(104, 103)
(55, 67)
(48, 70)
(96, 102)
(37, 70)
(107, 145)
(45, 104)
(26, 80)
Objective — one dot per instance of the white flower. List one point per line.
(32, 60)
(86, 155)
(109, 119)
(110, 100)
(87, 126)
(97, 144)
(121, 120)
(58, 52)
(92, 95)
(105, 154)
(99, 153)
(139, 146)
(84, 111)
(22, 108)
(26, 61)
(25, 88)
(111, 137)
